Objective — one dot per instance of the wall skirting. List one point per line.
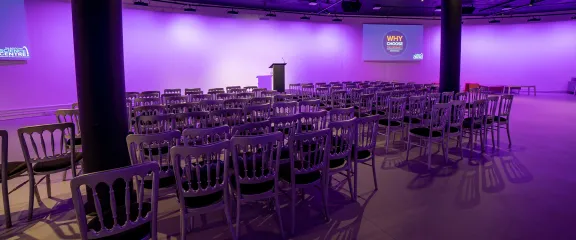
(32, 112)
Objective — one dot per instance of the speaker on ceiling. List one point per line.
(351, 6)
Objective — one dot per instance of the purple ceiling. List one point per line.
(398, 7)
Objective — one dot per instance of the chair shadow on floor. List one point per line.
(492, 181)
(515, 171)
(468, 192)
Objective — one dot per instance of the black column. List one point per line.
(450, 45)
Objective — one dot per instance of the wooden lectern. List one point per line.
(278, 76)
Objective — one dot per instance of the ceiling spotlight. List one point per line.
(534, 19)
(438, 9)
(189, 9)
(312, 3)
(336, 20)
(532, 3)
(494, 21)
(377, 7)
(507, 8)
(305, 17)
(140, 3)
(232, 12)
(271, 14)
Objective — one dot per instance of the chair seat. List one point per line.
(306, 127)
(14, 169)
(139, 232)
(60, 163)
(364, 154)
(425, 132)
(248, 170)
(500, 119)
(454, 129)
(284, 153)
(385, 122)
(467, 123)
(203, 201)
(164, 182)
(337, 163)
(77, 141)
(412, 120)
(251, 189)
(163, 150)
(304, 178)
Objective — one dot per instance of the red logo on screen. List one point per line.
(394, 43)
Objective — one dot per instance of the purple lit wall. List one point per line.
(168, 50)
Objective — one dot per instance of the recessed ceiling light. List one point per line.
(377, 7)
(438, 9)
(507, 8)
(140, 3)
(532, 3)
(232, 12)
(305, 17)
(312, 3)
(534, 19)
(494, 21)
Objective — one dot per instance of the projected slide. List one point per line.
(13, 32)
(392, 42)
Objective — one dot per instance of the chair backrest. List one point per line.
(478, 111)
(341, 114)
(382, 100)
(149, 110)
(367, 132)
(204, 170)
(225, 96)
(205, 136)
(309, 152)
(237, 90)
(338, 99)
(182, 108)
(256, 159)
(288, 125)
(214, 91)
(282, 97)
(366, 103)
(355, 95)
(69, 115)
(260, 100)
(245, 95)
(294, 88)
(323, 93)
(492, 101)
(175, 100)
(132, 95)
(150, 94)
(309, 105)
(313, 121)
(230, 117)
(431, 100)
(139, 213)
(343, 137)
(198, 119)
(396, 109)
(269, 93)
(255, 128)
(46, 142)
(211, 105)
(257, 113)
(236, 102)
(155, 123)
(173, 91)
(199, 97)
(416, 106)
(440, 117)
(232, 87)
(284, 108)
(307, 91)
(447, 97)
(457, 115)
(461, 96)
(153, 148)
(147, 101)
(250, 88)
(189, 91)
(505, 105)
(476, 94)
(258, 91)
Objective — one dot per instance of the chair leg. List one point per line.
(183, 227)
(460, 144)
(64, 175)
(227, 212)
(31, 196)
(293, 208)
(6, 203)
(277, 203)
(238, 217)
(325, 197)
(429, 151)
(471, 143)
(387, 138)
(445, 151)
(498, 135)
(373, 173)
(355, 172)
(492, 134)
(408, 148)
(349, 178)
(508, 132)
(48, 186)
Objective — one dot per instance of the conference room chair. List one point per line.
(340, 156)
(382, 101)
(129, 115)
(215, 91)
(341, 114)
(173, 91)
(307, 91)
(269, 93)
(447, 97)
(431, 99)
(349, 86)
(321, 84)
(256, 170)
(202, 186)
(149, 94)
(211, 105)
(323, 94)
(155, 148)
(130, 215)
(432, 132)
(169, 100)
(225, 96)
(45, 153)
(72, 116)
(230, 117)
(237, 90)
(364, 148)
(205, 136)
(354, 96)
(236, 102)
(182, 108)
(288, 126)
(475, 124)
(309, 105)
(461, 96)
(415, 111)
(257, 113)
(232, 87)
(196, 119)
(392, 118)
(491, 114)
(365, 105)
(258, 91)
(250, 88)
(245, 95)
(250, 129)
(308, 167)
(294, 88)
(260, 100)
(199, 97)
(132, 95)
(503, 118)
(283, 97)
(313, 121)
(455, 124)
(9, 170)
(149, 124)
(339, 99)
(147, 101)
(284, 108)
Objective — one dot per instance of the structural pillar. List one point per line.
(450, 46)
(98, 53)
